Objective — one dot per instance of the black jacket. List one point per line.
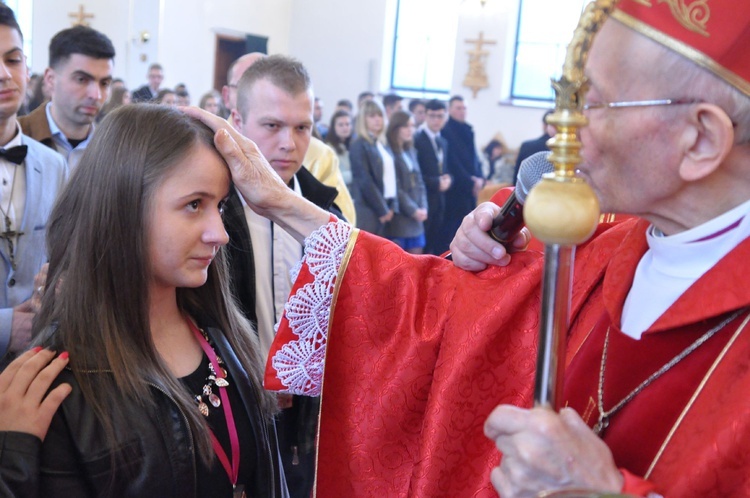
(155, 456)
(142, 94)
(19, 457)
(463, 163)
(437, 238)
(240, 247)
(367, 176)
(529, 148)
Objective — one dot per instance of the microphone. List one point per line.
(509, 222)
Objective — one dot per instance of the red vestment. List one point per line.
(418, 353)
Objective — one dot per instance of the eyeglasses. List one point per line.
(639, 103)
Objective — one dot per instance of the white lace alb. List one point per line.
(299, 363)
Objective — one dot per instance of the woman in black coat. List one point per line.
(373, 171)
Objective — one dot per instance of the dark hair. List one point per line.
(163, 93)
(340, 146)
(390, 99)
(345, 103)
(415, 103)
(116, 97)
(79, 40)
(455, 98)
(99, 267)
(435, 105)
(8, 18)
(544, 118)
(212, 94)
(283, 72)
(155, 65)
(364, 95)
(490, 146)
(398, 120)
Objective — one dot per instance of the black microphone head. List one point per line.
(530, 173)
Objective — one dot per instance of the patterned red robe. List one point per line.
(418, 353)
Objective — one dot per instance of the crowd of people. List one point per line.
(39, 89)
(182, 282)
(432, 224)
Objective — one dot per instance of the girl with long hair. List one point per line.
(373, 171)
(338, 137)
(120, 96)
(407, 226)
(167, 375)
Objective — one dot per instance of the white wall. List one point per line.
(344, 43)
(341, 43)
(51, 16)
(497, 20)
(191, 27)
(182, 33)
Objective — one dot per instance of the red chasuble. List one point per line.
(416, 360)
(688, 432)
(417, 353)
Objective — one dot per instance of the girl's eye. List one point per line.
(222, 205)
(194, 205)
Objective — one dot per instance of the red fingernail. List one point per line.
(64, 355)
(37, 349)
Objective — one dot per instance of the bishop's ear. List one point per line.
(709, 136)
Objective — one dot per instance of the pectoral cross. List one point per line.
(9, 235)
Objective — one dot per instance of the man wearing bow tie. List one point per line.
(31, 175)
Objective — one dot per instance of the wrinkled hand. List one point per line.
(261, 187)
(473, 249)
(20, 326)
(256, 180)
(40, 283)
(546, 451)
(23, 385)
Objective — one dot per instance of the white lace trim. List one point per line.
(299, 363)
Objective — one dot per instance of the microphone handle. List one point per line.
(508, 223)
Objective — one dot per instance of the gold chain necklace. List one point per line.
(605, 415)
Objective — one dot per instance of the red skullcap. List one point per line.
(715, 34)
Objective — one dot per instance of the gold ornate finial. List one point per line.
(562, 209)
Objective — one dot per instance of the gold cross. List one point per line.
(80, 17)
(476, 78)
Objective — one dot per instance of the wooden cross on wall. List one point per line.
(80, 17)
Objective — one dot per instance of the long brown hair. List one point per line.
(339, 145)
(398, 120)
(97, 238)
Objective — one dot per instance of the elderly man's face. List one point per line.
(631, 155)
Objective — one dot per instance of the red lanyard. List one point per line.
(233, 468)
